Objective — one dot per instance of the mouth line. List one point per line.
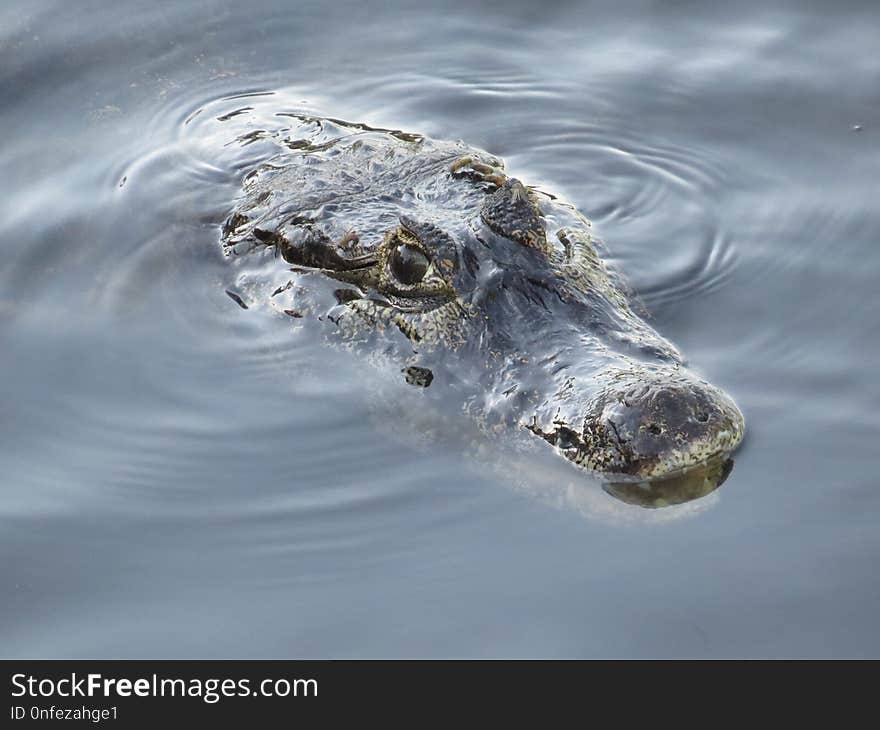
(613, 460)
(675, 473)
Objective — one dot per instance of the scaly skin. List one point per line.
(435, 243)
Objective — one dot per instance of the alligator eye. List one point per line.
(408, 264)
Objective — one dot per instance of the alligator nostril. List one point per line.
(702, 416)
(655, 429)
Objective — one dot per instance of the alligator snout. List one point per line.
(646, 423)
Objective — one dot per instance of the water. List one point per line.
(181, 477)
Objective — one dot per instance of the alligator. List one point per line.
(443, 258)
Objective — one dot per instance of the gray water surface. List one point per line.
(180, 477)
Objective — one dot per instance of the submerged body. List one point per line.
(444, 259)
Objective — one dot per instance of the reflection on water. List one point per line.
(674, 489)
(185, 477)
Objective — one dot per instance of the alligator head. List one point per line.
(512, 287)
